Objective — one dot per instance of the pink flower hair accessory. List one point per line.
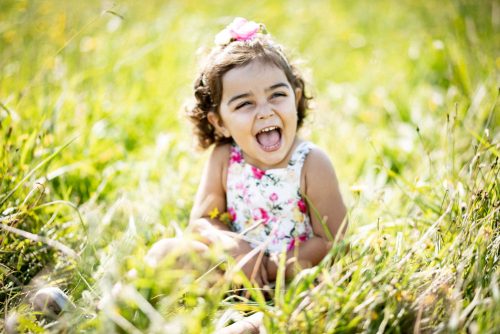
(239, 30)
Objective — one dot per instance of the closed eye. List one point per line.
(278, 94)
(242, 104)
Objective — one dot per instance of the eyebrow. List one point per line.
(278, 85)
(237, 97)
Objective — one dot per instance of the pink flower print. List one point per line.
(299, 239)
(247, 195)
(258, 173)
(274, 221)
(261, 215)
(232, 213)
(247, 200)
(264, 216)
(235, 156)
(239, 186)
(302, 206)
(273, 197)
(303, 237)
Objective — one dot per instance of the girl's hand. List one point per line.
(271, 263)
(256, 270)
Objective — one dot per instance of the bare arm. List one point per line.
(212, 195)
(324, 199)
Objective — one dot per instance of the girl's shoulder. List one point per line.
(219, 160)
(316, 157)
(317, 166)
(221, 152)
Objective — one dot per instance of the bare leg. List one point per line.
(170, 246)
(251, 324)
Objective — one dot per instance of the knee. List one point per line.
(173, 247)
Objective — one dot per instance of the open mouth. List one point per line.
(269, 138)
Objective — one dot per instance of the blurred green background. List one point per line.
(116, 74)
(404, 98)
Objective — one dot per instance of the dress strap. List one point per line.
(299, 156)
(236, 156)
(296, 161)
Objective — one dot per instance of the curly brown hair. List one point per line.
(208, 84)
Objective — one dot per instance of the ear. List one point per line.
(298, 96)
(216, 121)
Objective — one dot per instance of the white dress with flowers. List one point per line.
(266, 205)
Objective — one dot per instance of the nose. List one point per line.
(265, 111)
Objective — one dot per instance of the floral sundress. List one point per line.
(265, 206)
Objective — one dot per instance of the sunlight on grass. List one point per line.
(97, 163)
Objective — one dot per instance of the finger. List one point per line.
(257, 281)
(265, 279)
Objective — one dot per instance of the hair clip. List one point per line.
(239, 30)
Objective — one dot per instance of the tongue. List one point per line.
(269, 138)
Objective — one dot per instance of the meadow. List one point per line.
(97, 162)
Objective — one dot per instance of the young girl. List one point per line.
(264, 190)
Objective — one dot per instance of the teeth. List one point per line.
(271, 128)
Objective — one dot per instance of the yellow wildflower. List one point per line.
(214, 213)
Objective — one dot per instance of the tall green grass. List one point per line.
(97, 163)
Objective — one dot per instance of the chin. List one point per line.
(274, 158)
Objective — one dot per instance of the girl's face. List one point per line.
(258, 110)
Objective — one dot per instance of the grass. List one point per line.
(97, 163)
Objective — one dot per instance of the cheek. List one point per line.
(291, 108)
(238, 122)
